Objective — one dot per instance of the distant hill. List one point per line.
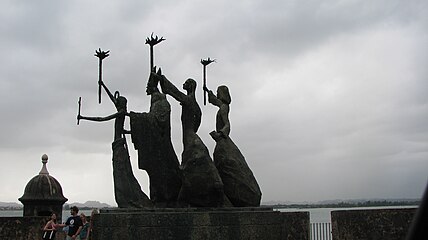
(10, 205)
(87, 204)
(279, 202)
(356, 201)
(375, 201)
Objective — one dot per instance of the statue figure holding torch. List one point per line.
(205, 62)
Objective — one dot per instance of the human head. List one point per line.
(74, 210)
(223, 94)
(189, 85)
(95, 211)
(53, 216)
(83, 217)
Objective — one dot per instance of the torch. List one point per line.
(152, 41)
(204, 63)
(101, 55)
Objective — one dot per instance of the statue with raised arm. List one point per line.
(202, 185)
(151, 135)
(240, 185)
(127, 190)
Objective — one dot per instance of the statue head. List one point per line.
(223, 94)
(121, 101)
(189, 85)
(152, 84)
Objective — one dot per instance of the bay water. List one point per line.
(322, 215)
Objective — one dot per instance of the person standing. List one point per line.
(49, 230)
(91, 221)
(84, 233)
(74, 224)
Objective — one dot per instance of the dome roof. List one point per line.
(43, 187)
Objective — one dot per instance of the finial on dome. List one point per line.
(44, 161)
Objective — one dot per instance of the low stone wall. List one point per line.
(24, 228)
(371, 224)
(193, 223)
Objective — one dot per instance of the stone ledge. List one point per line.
(387, 223)
(197, 223)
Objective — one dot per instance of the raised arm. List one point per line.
(213, 98)
(111, 96)
(170, 89)
(100, 119)
(77, 232)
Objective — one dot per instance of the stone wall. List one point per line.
(24, 228)
(189, 223)
(371, 224)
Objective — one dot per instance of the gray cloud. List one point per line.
(328, 98)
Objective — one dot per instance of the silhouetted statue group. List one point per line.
(198, 181)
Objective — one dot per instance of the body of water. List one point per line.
(322, 215)
(317, 215)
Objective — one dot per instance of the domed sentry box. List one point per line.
(43, 194)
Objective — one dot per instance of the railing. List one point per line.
(321, 231)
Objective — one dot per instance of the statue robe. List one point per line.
(151, 135)
(127, 190)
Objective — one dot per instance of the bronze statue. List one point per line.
(202, 186)
(151, 135)
(240, 185)
(198, 181)
(127, 191)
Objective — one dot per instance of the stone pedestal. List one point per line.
(391, 224)
(197, 223)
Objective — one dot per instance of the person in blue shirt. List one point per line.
(74, 224)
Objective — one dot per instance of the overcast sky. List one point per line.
(329, 98)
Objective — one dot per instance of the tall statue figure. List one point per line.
(240, 185)
(127, 191)
(151, 135)
(202, 185)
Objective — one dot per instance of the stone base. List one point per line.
(200, 223)
(391, 224)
